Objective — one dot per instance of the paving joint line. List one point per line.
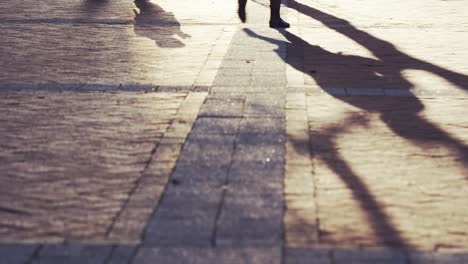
(137, 183)
(226, 181)
(34, 255)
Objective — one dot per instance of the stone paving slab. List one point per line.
(68, 177)
(118, 10)
(296, 155)
(356, 205)
(13, 254)
(201, 255)
(147, 55)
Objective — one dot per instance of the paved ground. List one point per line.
(167, 132)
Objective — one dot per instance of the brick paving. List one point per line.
(166, 132)
(73, 162)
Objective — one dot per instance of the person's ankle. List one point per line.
(278, 23)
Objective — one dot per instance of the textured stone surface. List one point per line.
(359, 106)
(88, 254)
(16, 254)
(209, 256)
(69, 161)
(385, 134)
(144, 41)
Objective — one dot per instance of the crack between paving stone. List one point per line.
(109, 257)
(226, 184)
(34, 255)
(208, 58)
(314, 175)
(163, 194)
(133, 190)
(140, 178)
(133, 255)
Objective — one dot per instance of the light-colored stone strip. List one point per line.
(130, 224)
(209, 70)
(300, 220)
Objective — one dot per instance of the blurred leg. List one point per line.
(241, 10)
(275, 18)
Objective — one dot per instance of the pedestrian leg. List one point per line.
(275, 17)
(241, 10)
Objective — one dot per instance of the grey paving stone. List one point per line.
(184, 218)
(276, 138)
(416, 257)
(121, 254)
(248, 255)
(180, 233)
(200, 174)
(370, 256)
(180, 203)
(254, 219)
(71, 254)
(213, 125)
(269, 81)
(215, 149)
(307, 256)
(256, 172)
(256, 187)
(261, 105)
(249, 232)
(16, 254)
(450, 258)
(263, 126)
(222, 106)
(228, 80)
(259, 152)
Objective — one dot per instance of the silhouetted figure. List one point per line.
(275, 18)
(155, 23)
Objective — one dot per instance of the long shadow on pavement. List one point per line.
(326, 68)
(155, 23)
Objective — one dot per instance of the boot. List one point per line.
(241, 10)
(275, 18)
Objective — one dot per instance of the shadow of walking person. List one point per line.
(155, 23)
(400, 114)
(386, 52)
(324, 66)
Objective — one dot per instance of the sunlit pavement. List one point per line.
(167, 132)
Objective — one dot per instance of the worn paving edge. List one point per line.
(129, 225)
(102, 87)
(300, 222)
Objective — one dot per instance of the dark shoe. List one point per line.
(241, 10)
(279, 23)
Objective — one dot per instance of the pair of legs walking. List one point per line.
(275, 18)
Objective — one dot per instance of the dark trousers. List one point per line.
(275, 6)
